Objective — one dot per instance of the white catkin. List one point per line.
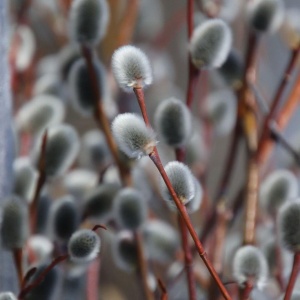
(210, 44)
(131, 68)
(289, 225)
(173, 122)
(278, 187)
(250, 263)
(132, 135)
(182, 181)
(88, 20)
(265, 15)
(84, 246)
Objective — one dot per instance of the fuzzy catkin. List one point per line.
(265, 15)
(81, 86)
(131, 68)
(14, 229)
(132, 135)
(61, 149)
(88, 20)
(173, 122)
(210, 44)
(250, 263)
(182, 181)
(84, 246)
(130, 208)
(289, 225)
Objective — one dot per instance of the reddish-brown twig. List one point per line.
(42, 276)
(154, 156)
(100, 116)
(27, 277)
(92, 285)
(293, 276)
(40, 183)
(188, 257)
(278, 95)
(246, 291)
(142, 266)
(164, 293)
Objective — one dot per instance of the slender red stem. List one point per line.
(42, 276)
(154, 156)
(246, 291)
(293, 276)
(139, 93)
(27, 277)
(188, 257)
(164, 293)
(278, 95)
(142, 266)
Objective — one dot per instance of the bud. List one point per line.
(161, 241)
(182, 181)
(124, 251)
(265, 15)
(130, 208)
(39, 113)
(132, 135)
(14, 230)
(80, 181)
(99, 202)
(279, 187)
(210, 44)
(61, 149)
(88, 20)
(221, 109)
(289, 225)
(196, 201)
(173, 122)
(131, 68)
(83, 96)
(64, 218)
(84, 246)
(25, 177)
(250, 264)
(94, 152)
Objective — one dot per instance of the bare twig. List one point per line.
(293, 276)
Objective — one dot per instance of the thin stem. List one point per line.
(278, 95)
(27, 277)
(40, 183)
(142, 266)
(42, 276)
(251, 203)
(140, 96)
(164, 293)
(100, 116)
(188, 257)
(154, 156)
(246, 291)
(18, 259)
(293, 276)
